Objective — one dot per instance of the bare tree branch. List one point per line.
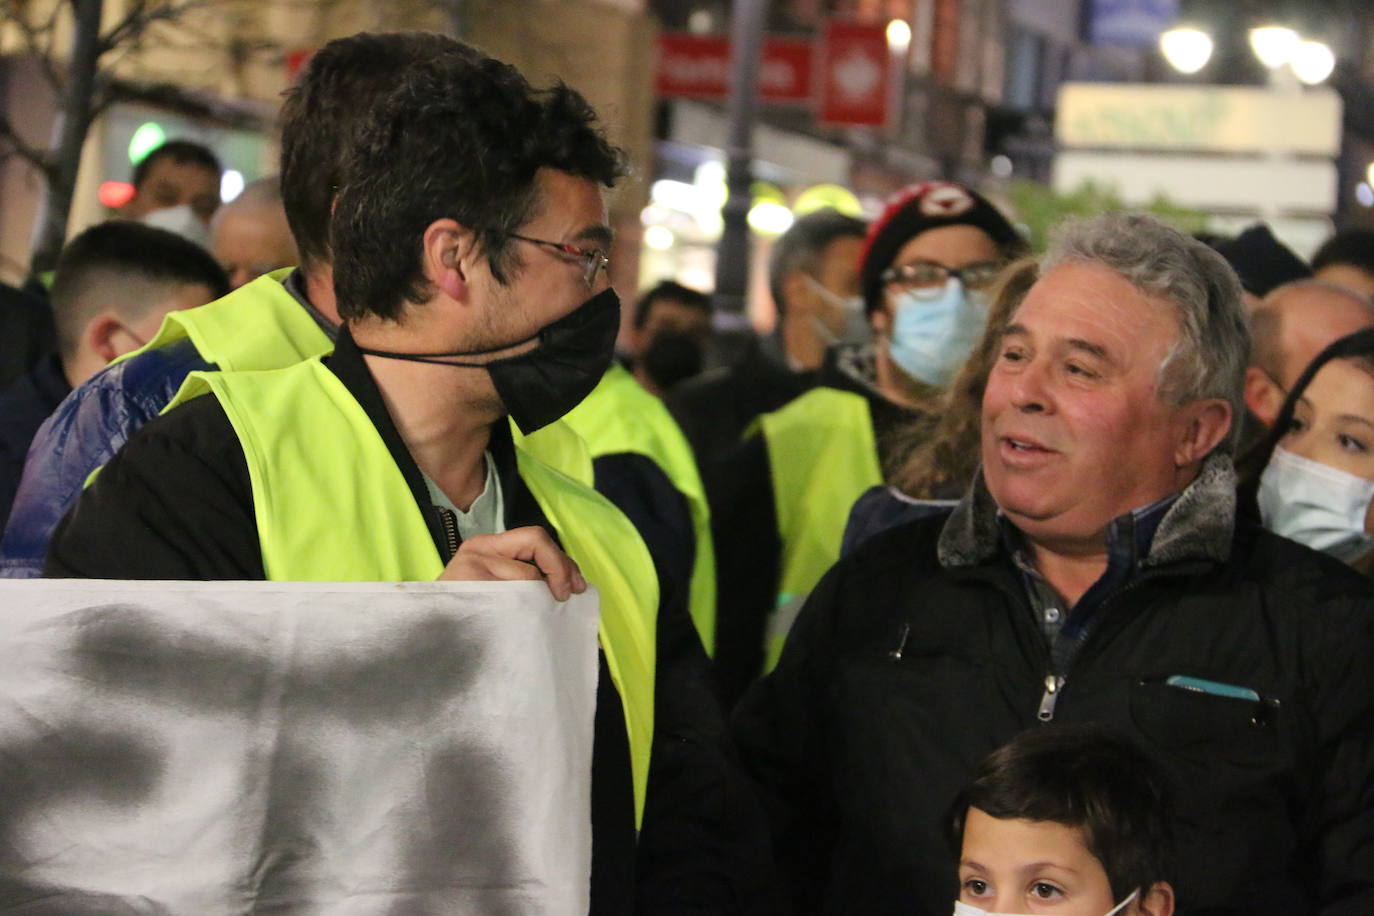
(38, 158)
(38, 40)
(140, 18)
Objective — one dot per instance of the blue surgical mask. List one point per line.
(1315, 504)
(935, 330)
(968, 909)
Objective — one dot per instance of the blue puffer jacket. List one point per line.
(85, 431)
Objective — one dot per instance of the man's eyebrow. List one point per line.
(600, 234)
(1014, 328)
(1092, 349)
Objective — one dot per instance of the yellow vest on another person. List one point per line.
(619, 416)
(822, 456)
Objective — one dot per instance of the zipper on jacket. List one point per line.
(1054, 683)
(450, 523)
(1048, 700)
(901, 643)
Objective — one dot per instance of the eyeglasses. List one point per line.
(929, 274)
(593, 261)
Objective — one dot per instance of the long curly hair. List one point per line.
(936, 456)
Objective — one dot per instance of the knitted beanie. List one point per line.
(919, 207)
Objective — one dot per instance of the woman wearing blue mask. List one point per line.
(926, 266)
(1316, 485)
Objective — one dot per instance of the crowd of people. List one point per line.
(1019, 581)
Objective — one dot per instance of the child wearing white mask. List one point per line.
(1317, 486)
(1070, 820)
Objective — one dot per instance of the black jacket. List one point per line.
(918, 655)
(24, 406)
(27, 333)
(176, 503)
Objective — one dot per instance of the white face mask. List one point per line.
(183, 221)
(1314, 504)
(968, 909)
(856, 327)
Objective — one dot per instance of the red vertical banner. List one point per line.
(855, 75)
(944, 52)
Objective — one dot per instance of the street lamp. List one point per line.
(1312, 62)
(1274, 45)
(898, 35)
(1186, 49)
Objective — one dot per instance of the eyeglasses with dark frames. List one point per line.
(928, 274)
(593, 261)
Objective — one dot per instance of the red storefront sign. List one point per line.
(698, 67)
(855, 75)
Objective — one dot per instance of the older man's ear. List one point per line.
(1204, 425)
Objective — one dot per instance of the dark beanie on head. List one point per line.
(1262, 262)
(919, 207)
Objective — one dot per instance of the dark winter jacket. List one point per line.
(24, 406)
(919, 654)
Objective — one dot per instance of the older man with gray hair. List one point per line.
(1096, 571)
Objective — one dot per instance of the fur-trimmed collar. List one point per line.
(1198, 526)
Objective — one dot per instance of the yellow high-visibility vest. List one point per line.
(332, 506)
(258, 326)
(822, 455)
(619, 416)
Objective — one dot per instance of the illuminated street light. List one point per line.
(1312, 62)
(230, 185)
(1364, 194)
(1187, 50)
(1369, 173)
(1274, 45)
(898, 35)
(659, 238)
(770, 218)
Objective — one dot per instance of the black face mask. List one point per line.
(673, 357)
(544, 383)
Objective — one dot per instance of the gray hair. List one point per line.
(801, 246)
(1209, 358)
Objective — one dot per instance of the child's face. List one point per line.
(1020, 866)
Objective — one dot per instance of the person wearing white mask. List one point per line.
(924, 270)
(1071, 820)
(181, 176)
(1317, 486)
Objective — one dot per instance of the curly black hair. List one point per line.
(460, 139)
(324, 112)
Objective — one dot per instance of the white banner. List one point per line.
(224, 748)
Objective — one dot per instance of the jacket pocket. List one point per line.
(1207, 719)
